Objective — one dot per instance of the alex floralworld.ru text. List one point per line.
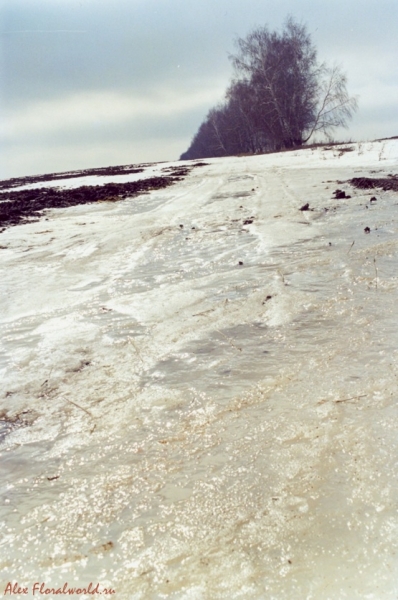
(42, 589)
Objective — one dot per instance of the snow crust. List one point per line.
(198, 408)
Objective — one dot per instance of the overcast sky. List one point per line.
(90, 83)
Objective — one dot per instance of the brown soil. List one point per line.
(23, 205)
(17, 207)
(121, 170)
(385, 183)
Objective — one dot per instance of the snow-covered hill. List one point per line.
(199, 385)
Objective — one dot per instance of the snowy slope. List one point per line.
(199, 386)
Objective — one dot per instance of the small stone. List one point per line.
(367, 230)
(339, 194)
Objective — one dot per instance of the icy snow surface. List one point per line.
(178, 425)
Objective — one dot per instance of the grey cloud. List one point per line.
(51, 48)
(45, 53)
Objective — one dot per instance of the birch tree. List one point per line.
(279, 97)
(295, 96)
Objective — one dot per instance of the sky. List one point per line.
(91, 83)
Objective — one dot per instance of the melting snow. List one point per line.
(194, 407)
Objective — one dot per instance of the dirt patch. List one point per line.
(121, 170)
(181, 171)
(8, 424)
(385, 183)
(177, 171)
(345, 149)
(21, 206)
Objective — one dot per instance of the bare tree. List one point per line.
(335, 107)
(295, 96)
(280, 96)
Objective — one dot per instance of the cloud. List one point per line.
(48, 158)
(125, 46)
(101, 128)
(78, 73)
(105, 108)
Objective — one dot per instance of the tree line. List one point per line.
(279, 97)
